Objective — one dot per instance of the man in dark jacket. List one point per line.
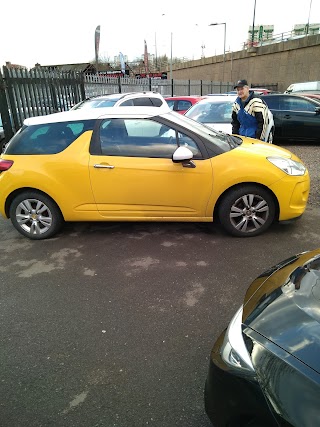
(249, 113)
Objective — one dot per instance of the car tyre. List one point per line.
(247, 211)
(35, 215)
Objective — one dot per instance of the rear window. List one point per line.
(142, 102)
(48, 138)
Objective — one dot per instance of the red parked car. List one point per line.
(181, 104)
(261, 90)
(315, 96)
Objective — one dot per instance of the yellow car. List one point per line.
(144, 164)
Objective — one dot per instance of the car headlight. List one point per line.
(289, 166)
(233, 350)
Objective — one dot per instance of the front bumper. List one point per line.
(231, 400)
(292, 193)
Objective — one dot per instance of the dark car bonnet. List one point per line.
(283, 305)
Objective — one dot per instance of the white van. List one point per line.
(303, 87)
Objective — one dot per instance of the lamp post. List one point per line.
(171, 57)
(308, 24)
(254, 15)
(224, 44)
(170, 51)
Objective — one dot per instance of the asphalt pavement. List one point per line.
(111, 324)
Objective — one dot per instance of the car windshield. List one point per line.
(211, 112)
(217, 138)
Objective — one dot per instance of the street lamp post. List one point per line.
(224, 44)
(171, 57)
(163, 14)
(308, 24)
(254, 15)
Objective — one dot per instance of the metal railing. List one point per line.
(28, 93)
(278, 38)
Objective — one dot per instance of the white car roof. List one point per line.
(129, 95)
(95, 113)
(218, 98)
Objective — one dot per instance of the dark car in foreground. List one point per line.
(265, 367)
(296, 118)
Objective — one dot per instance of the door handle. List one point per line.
(287, 116)
(100, 166)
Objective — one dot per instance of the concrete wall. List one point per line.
(282, 63)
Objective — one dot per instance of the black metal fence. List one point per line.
(36, 92)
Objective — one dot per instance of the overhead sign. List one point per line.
(260, 32)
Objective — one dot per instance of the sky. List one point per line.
(62, 31)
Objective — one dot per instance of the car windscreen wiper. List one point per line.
(234, 140)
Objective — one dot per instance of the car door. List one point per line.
(299, 119)
(133, 175)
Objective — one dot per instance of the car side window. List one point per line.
(127, 103)
(186, 141)
(147, 102)
(49, 138)
(297, 104)
(156, 102)
(142, 102)
(273, 103)
(170, 102)
(142, 138)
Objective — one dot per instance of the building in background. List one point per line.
(16, 66)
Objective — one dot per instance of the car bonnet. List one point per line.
(264, 148)
(283, 305)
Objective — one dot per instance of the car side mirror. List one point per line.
(182, 154)
(317, 110)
